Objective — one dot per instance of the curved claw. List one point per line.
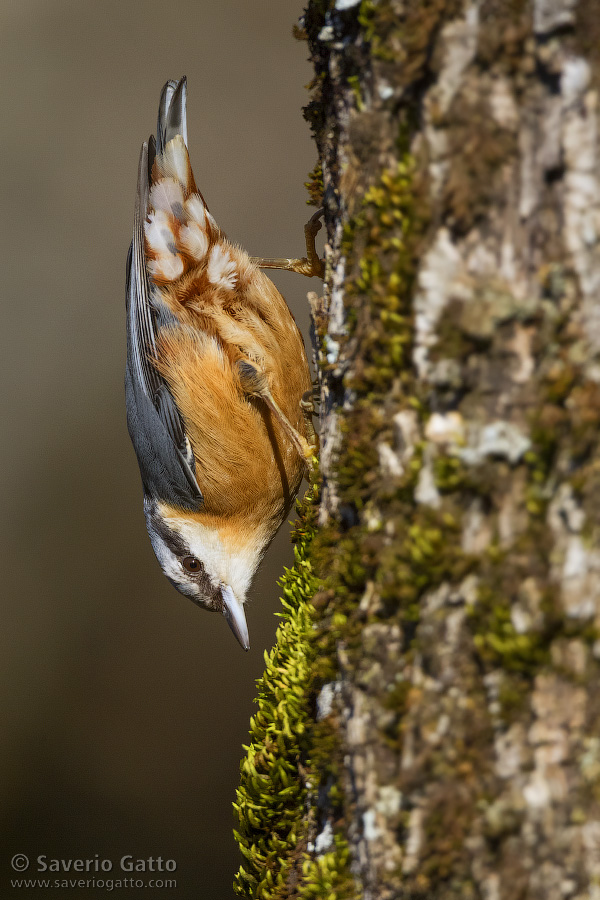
(310, 265)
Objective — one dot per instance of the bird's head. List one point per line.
(213, 566)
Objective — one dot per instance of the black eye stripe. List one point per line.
(175, 544)
(178, 547)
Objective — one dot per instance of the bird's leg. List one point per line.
(308, 408)
(254, 383)
(310, 264)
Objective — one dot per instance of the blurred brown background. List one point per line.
(123, 706)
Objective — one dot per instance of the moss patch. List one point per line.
(314, 186)
(275, 807)
(406, 33)
(272, 794)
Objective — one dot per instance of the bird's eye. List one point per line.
(191, 564)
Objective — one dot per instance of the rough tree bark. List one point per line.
(443, 708)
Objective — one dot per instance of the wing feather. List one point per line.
(155, 424)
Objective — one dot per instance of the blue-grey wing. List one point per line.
(155, 425)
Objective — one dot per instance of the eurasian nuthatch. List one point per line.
(216, 372)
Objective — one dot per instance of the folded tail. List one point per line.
(172, 113)
(178, 228)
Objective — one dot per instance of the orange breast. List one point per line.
(245, 463)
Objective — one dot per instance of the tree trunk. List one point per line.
(428, 724)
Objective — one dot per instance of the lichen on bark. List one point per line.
(450, 746)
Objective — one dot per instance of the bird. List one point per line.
(217, 384)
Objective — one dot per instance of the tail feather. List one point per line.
(172, 113)
(179, 230)
(174, 162)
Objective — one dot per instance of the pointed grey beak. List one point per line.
(235, 615)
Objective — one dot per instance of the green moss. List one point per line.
(382, 232)
(272, 794)
(381, 243)
(497, 639)
(405, 35)
(286, 747)
(426, 553)
(450, 473)
(314, 186)
(354, 83)
(328, 876)
(520, 655)
(377, 20)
